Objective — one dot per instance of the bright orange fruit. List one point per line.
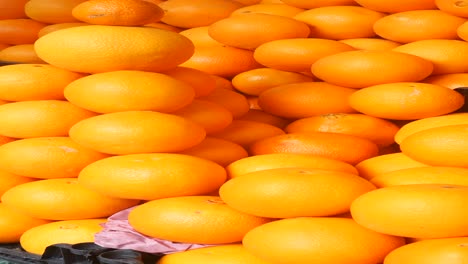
(42, 199)
(347, 148)
(25, 82)
(193, 219)
(410, 210)
(293, 192)
(315, 239)
(118, 13)
(46, 157)
(357, 69)
(153, 176)
(406, 100)
(118, 91)
(137, 132)
(305, 99)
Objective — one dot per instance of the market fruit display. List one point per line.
(249, 131)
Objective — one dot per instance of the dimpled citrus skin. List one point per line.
(129, 90)
(433, 251)
(46, 157)
(23, 82)
(324, 240)
(98, 48)
(293, 192)
(62, 199)
(13, 224)
(36, 239)
(226, 254)
(132, 132)
(153, 176)
(193, 219)
(415, 210)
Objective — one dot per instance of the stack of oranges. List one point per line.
(274, 131)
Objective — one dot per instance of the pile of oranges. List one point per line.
(274, 131)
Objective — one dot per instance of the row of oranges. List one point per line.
(264, 125)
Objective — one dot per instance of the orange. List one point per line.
(423, 175)
(23, 53)
(376, 44)
(233, 101)
(256, 81)
(454, 7)
(46, 157)
(271, 2)
(248, 2)
(246, 133)
(118, 13)
(271, 9)
(127, 90)
(136, 132)
(299, 100)
(62, 199)
(411, 210)
(418, 25)
(14, 224)
(446, 250)
(37, 239)
(397, 6)
(450, 80)
(193, 219)
(201, 82)
(297, 54)
(42, 118)
(211, 116)
(372, 167)
(358, 69)
(258, 115)
(200, 37)
(347, 148)
(8, 180)
(222, 82)
(152, 176)
(430, 122)
(54, 27)
(286, 160)
(19, 31)
(340, 22)
(380, 131)
(162, 25)
(306, 4)
(52, 11)
(109, 49)
(447, 55)
(438, 146)
(224, 61)
(226, 254)
(462, 31)
(12, 9)
(406, 100)
(25, 82)
(324, 240)
(4, 46)
(248, 31)
(190, 14)
(221, 151)
(293, 192)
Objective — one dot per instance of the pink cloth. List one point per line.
(117, 233)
